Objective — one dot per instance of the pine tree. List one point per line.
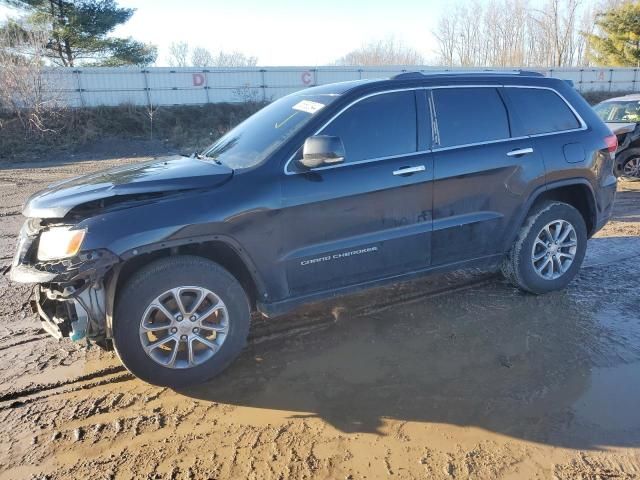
(78, 32)
(618, 43)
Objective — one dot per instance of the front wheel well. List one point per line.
(216, 251)
(578, 196)
(632, 151)
(635, 143)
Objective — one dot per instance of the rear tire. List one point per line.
(549, 249)
(180, 321)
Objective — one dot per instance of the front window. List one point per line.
(627, 111)
(380, 126)
(251, 142)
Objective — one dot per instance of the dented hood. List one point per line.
(157, 176)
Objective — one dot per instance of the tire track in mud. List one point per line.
(109, 375)
(26, 340)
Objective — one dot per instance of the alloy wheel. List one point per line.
(554, 249)
(631, 168)
(184, 327)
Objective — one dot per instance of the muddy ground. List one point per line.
(457, 376)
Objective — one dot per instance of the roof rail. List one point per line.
(428, 73)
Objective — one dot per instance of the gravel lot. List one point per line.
(456, 376)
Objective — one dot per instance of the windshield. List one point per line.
(251, 142)
(623, 111)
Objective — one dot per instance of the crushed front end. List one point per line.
(70, 292)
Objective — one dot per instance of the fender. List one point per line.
(535, 195)
(227, 240)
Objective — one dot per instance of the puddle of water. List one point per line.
(488, 357)
(612, 400)
(607, 250)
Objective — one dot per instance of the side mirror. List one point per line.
(322, 150)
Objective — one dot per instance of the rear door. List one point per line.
(482, 173)
(363, 219)
(558, 133)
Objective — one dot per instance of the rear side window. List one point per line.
(540, 111)
(470, 115)
(379, 126)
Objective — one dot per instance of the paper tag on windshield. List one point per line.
(308, 106)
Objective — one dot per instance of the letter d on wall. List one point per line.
(198, 79)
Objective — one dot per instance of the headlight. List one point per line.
(60, 242)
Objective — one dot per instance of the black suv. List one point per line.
(329, 190)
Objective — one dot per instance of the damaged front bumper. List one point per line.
(71, 314)
(70, 294)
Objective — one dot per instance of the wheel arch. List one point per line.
(222, 250)
(632, 151)
(576, 192)
(635, 143)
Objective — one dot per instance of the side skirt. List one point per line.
(283, 306)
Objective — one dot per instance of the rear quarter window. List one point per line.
(540, 111)
(470, 115)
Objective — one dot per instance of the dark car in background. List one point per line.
(622, 116)
(327, 191)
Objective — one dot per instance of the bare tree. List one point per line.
(506, 24)
(234, 59)
(557, 20)
(587, 28)
(468, 34)
(201, 57)
(24, 87)
(178, 54)
(447, 35)
(502, 33)
(382, 52)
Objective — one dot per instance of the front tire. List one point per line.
(549, 249)
(630, 167)
(180, 321)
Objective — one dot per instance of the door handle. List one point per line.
(519, 152)
(409, 170)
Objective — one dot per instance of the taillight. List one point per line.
(612, 143)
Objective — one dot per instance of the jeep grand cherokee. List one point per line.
(330, 190)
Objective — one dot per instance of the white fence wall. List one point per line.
(191, 86)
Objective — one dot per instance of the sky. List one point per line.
(282, 32)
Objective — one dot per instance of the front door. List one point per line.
(369, 217)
